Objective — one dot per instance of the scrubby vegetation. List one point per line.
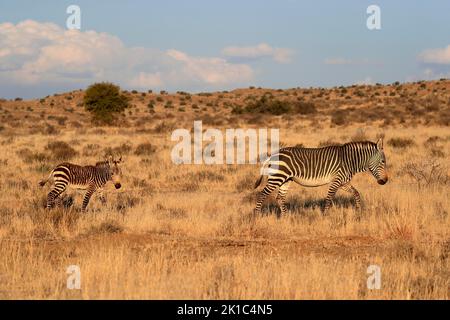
(269, 105)
(105, 101)
(186, 231)
(400, 142)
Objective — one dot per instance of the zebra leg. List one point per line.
(270, 186)
(281, 197)
(350, 189)
(90, 191)
(54, 194)
(102, 196)
(331, 192)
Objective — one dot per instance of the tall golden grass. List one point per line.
(186, 231)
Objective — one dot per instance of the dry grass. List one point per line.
(187, 231)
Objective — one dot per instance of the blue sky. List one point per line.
(202, 45)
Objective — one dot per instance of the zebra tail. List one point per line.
(43, 182)
(263, 173)
(258, 182)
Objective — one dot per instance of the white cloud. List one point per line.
(213, 71)
(437, 56)
(147, 80)
(34, 53)
(262, 50)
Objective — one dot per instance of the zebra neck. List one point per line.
(105, 172)
(358, 157)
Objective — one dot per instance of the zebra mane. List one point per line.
(102, 164)
(369, 146)
(360, 144)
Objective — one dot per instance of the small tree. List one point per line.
(104, 101)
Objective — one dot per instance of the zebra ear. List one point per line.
(380, 144)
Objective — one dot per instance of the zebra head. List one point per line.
(377, 164)
(115, 171)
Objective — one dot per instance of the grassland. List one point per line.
(186, 232)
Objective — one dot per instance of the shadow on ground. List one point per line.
(299, 206)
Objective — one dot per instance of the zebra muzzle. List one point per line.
(117, 185)
(382, 181)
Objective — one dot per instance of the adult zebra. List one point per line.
(90, 178)
(312, 167)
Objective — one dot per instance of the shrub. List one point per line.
(122, 149)
(400, 142)
(360, 135)
(104, 100)
(91, 150)
(145, 149)
(168, 104)
(432, 141)
(304, 107)
(359, 93)
(237, 110)
(339, 117)
(60, 150)
(164, 127)
(426, 173)
(29, 156)
(266, 105)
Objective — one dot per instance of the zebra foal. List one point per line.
(313, 167)
(89, 178)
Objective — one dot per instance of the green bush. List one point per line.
(269, 105)
(104, 101)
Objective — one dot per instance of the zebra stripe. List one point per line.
(90, 178)
(312, 167)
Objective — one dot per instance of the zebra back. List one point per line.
(83, 175)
